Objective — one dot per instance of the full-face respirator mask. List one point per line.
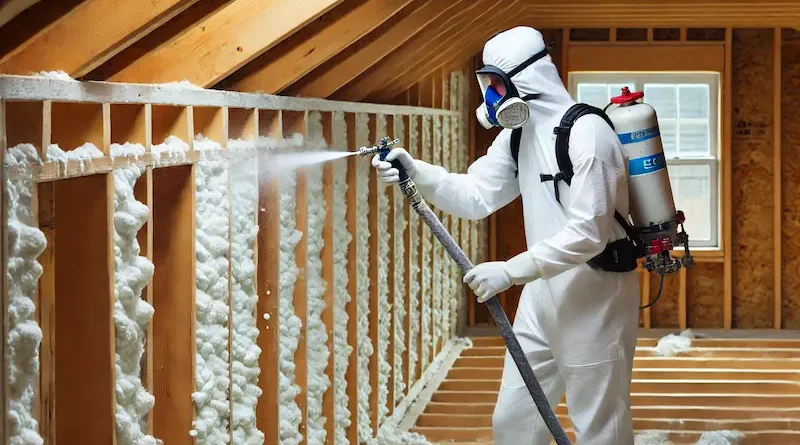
(507, 110)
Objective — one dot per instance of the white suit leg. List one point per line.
(516, 419)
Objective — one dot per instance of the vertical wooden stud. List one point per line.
(390, 191)
(727, 198)
(174, 287)
(268, 279)
(409, 274)
(84, 343)
(46, 307)
(682, 298)
(374, 292)
(328, 274)
(777, 177)
(3, 284)
(352, 283)
(565, 41)
(646, 298)
(683, 34)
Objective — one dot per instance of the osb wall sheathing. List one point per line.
(790, 185)
(751, 156)
(664, 313)
(704, 294)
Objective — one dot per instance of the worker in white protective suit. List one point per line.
(576, 323)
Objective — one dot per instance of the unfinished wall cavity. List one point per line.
(438, 281)
(365, 349)
(342, 238)
(289, 323)
(318, 353)
(244, 299)
(384, 307)
(25, 243)
(427, 254)
(399, 278)
(212, 375)
(132, 314)
(445, 262)
(413, 227)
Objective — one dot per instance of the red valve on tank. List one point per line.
(627, 97)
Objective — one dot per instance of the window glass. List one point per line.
(691, 188)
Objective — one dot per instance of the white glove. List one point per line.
(388, 174)
(488, 279)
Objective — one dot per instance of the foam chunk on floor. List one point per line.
(675, 344)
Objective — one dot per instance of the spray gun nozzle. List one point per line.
(385, 143)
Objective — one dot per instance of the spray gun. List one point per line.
(425, 213)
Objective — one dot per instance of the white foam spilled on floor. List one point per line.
(342, 240)
(399, 280)
(85, 153)
(675, 344)
(724, 437)
(126, 150)
(413, 226)
(245, 352)
(318, 354)
(25, 243)
(365, 349)
(60, 75)
(132, 314)
(212, 298)
(652, 437)
(290, 325)
(173, 147)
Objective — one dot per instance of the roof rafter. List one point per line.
(11, 8)
(224, 42)
(341, 70)
(273, 73)
(425, 43)
(90, 34)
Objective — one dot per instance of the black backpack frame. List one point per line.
(618, 256)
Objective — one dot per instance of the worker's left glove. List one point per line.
(488, 279)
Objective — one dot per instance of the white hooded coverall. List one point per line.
(577, 325)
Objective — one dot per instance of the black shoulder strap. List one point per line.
(562, 136)
(516, 137)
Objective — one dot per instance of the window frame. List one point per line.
(713, 160)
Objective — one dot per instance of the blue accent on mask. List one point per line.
(492, 98)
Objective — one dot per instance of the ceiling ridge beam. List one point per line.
(424, 43)
(274, 74)
(90, 34)
(353, 64)
(224, 42)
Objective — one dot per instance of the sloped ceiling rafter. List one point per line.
(296, 56)
(421, 46)
(224, 42)
(11, 8)
(572, 14)
(89, 34)
(346, 66)
(398, 82)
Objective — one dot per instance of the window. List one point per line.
(687, 107)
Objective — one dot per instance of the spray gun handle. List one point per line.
(396, 164)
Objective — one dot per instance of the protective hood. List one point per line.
(539, 82)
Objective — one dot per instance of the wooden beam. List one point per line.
(268, 283)
(727, 180)
(446, 44)
(682, 298)
(423, 43)
(374, 291)
(95, 30)
(231, 37)
(328, 274)
(346, 67)
(12, 8)
(776, 174)
(302, 52)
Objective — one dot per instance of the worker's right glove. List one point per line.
(388, 174)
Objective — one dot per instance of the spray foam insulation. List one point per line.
(414, 273)
(384, 307)
(212, 373)
(398, 240)
(790, 187)
(751, 157)
(132, 314)
(342, 239)
(25, 243)
(365, 349)
(244, 330)
(318, 354)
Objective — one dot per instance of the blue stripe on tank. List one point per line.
(647, 164)
(639, 135)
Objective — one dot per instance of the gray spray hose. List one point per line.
(419, 205)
